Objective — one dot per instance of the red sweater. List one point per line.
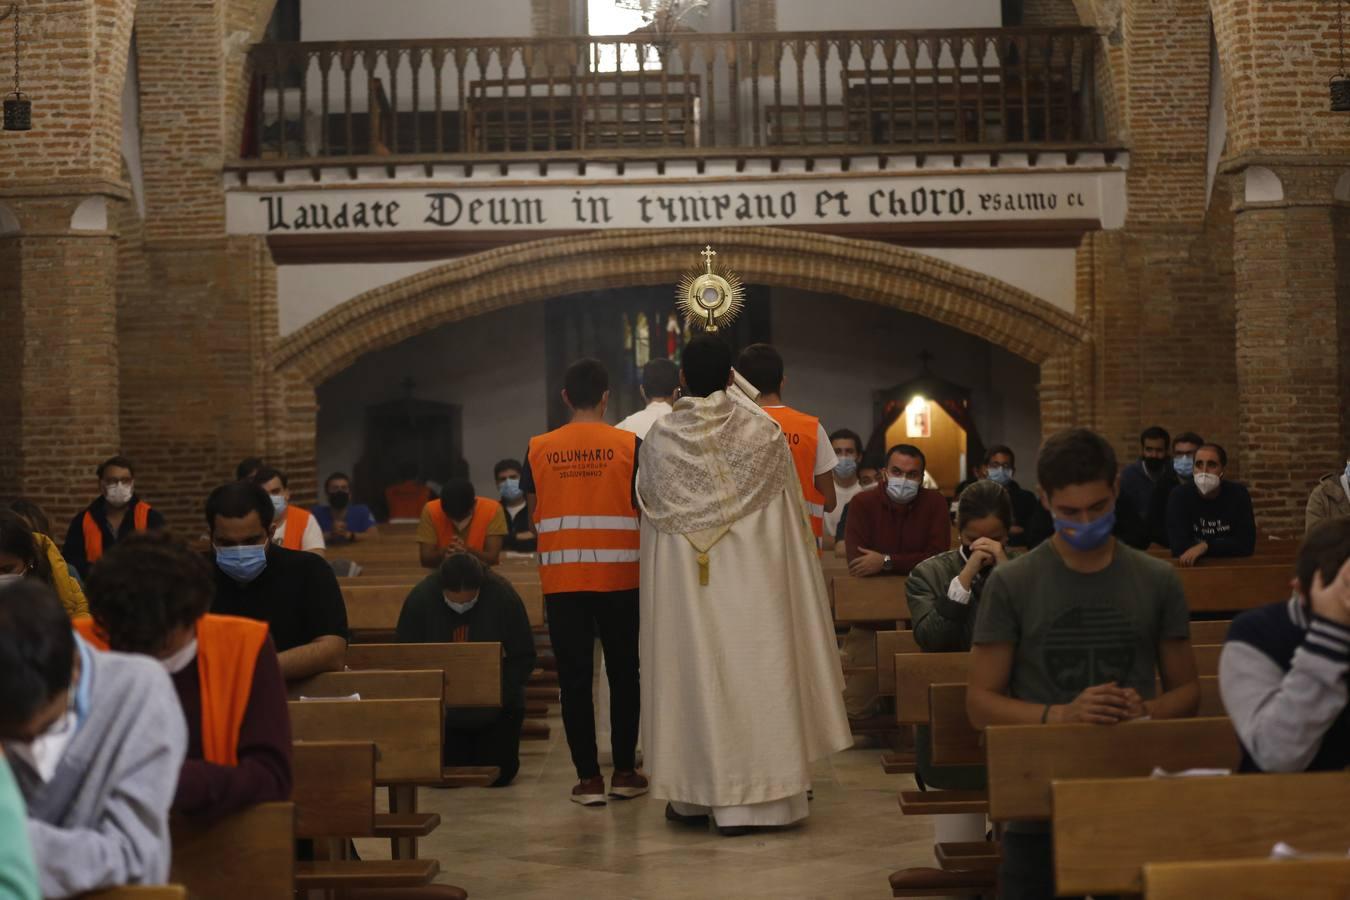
(909, 534)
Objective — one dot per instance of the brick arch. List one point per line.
(863, 270)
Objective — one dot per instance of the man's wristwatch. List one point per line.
(886, 563)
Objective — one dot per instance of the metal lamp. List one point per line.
(1340, 82)
(18, 108)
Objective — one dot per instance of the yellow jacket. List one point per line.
(67, 588)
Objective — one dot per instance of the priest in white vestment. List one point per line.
(741, 682)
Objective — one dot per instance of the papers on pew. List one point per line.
(1159, 772)
(348, 697)
(1284, 851)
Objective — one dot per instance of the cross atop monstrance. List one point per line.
(708, 254)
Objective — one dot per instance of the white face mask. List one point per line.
(118, 494)
(10, 578)
(461, 608)
(462, 524)
(1207, 482)
(180, 659)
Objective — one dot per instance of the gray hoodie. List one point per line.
(103, 818)
(1328, 500)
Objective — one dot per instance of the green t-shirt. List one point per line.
(1076, 630)
(18, 877)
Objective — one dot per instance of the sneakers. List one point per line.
(590, 791)
(627, 785)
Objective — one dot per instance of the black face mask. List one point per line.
(1154, 466)
(339, 499)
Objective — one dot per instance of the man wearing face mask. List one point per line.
(1030, 523)
(890, 531)
(1138, 479)
(848, 450)
(1283, 668)
(464, 602)
(295, 528)
(1075, 631)
(294, 592)
(1330, 498)
(150, 595)
(341, 521)
(95, 740)
(520, 536)
(1173, 476)
(115, 514)
(1211, 516)
(461, 522)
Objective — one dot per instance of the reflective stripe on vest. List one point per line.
(588, 529)
(802, 433)
(297, 520)
(484, 511)
(227, 655)
(93, 533)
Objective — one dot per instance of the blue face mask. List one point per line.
(1000, 475)
(279, 505)
(847, 467)
(1184, 465)
(243, 564)
(1086, 536)
(461, 608)
(901, 490)
(510, 490)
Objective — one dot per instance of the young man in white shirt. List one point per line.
(660, 384)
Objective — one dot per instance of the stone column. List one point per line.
(1292, 255)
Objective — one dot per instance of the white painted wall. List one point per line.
(1218, 119)
(850, 15)
(131, 128)
(306, 292)
(1047, 273)
(493, 366)
(337, 20)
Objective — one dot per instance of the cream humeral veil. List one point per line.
(741, 681)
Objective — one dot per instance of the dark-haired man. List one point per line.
(1211, 516)
(890, 530)
(1283, 669)
(848, 450)
(247, 468)
(95, 740)
(295, 528)
(812, 453)
(743, 686)
(660, 384)
(341, 520)
(1184, 447)
(115, 514)
(1138, 479)
(1076, 630)
(150, 595)
(1030, 525)
(578, 481)
(294, 592)
(520, 536)
(460, 522)
(463, 602)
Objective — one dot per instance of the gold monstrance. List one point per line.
(710, 299)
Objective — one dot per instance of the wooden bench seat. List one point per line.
(371, 874)
(1107, 830)
(1249, 879)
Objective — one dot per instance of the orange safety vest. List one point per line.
(583, 514)
(297, 520)
(802, 433)
(93, 534)
(484, 511)
(227, 654)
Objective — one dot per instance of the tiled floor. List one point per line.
(529, 841)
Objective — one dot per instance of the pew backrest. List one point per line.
(139, 892)
(955, 741)
(1106, 830)
(250, 854)
(1249, 879)
(1211, 632)
(915, 673)
(333, 788)
(406, 733)
(1234, 588)
(370, 684)
(473, 671)
(890, 643)
(878, 599)
(1024, 759)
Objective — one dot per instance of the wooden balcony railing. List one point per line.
(883, 89)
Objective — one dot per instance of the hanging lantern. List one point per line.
(18, 108)
(1340, 82)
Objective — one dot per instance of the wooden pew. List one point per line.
(254, 848)
(1235, 588)
(1024, 759)
(1107, 830)
(879, 599)
(373, 609)
(1211, 632)
(334, 795)
(890, 643)
(139, 892)
(1249, 879)
(473, 672)
(371, 684)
